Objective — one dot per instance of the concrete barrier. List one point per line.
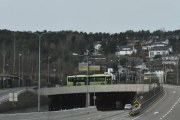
(48, 115)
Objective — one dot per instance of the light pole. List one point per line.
(19, 69)
(177, 70)
(48, 69)
(39, 74)
(87, 82)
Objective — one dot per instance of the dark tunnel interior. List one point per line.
(104, 101)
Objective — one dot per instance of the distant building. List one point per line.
(126, 50)
(170, 59)
(163, 50)
(140, 65)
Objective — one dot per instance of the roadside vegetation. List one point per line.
(26, 100)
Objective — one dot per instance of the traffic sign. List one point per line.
(136, 103)
(13, 97)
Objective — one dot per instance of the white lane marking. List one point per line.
(120, 117)
(170, 109)
(156, 113)
(174, 91)
(137, 117)
(99, 115)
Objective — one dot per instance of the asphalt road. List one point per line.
(167, 108)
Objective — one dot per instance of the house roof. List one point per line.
(171, 55)
(125, 48)
(159, 48)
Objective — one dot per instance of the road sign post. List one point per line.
(136, 103)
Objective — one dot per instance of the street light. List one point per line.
(48, 69)
(177, 70)
(87, 92)
(39, 74)
(19, 69)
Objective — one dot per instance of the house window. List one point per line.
(151, 54)
(158, 53)
(164, 53)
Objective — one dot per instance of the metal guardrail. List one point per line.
(151, 100)
(146, 104)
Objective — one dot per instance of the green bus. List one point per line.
(95, 79)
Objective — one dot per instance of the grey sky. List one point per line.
(89, 15)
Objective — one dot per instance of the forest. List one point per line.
(21, 50)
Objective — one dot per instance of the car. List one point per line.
(128, 107)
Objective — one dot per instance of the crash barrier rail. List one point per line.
(146, 104)
(51, 115)
(151, 100)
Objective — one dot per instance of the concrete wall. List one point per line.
(97, 88)
(56, 115)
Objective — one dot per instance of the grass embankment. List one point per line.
(26, 100)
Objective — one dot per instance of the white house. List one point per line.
(163, 41)
(170, 59)
(160, 75)
(97, 46)
(157, 45)
(163, 50)
(126, 50)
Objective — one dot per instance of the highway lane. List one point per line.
(167, 108)
(99, 115)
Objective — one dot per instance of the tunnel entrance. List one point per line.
(104, 101)
(114, 101)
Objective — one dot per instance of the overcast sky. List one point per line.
(111, 16)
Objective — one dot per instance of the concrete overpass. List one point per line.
(98, 88)
(68, 97)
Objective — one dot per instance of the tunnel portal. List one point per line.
(104, 101)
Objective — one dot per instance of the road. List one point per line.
(166, 108)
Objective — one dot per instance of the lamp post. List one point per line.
(19, 69)
(48, 69)
(177, 70)
(87, 79)
(39, 74)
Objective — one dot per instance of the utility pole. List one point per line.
(177, 71)
(14, 62)
(4, 58)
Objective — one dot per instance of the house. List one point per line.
(156, 74)
(170, 59)
(163, 50)
(155, 43)
(97, 47)
(140, 65)
(126, 50)
(162, 41)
